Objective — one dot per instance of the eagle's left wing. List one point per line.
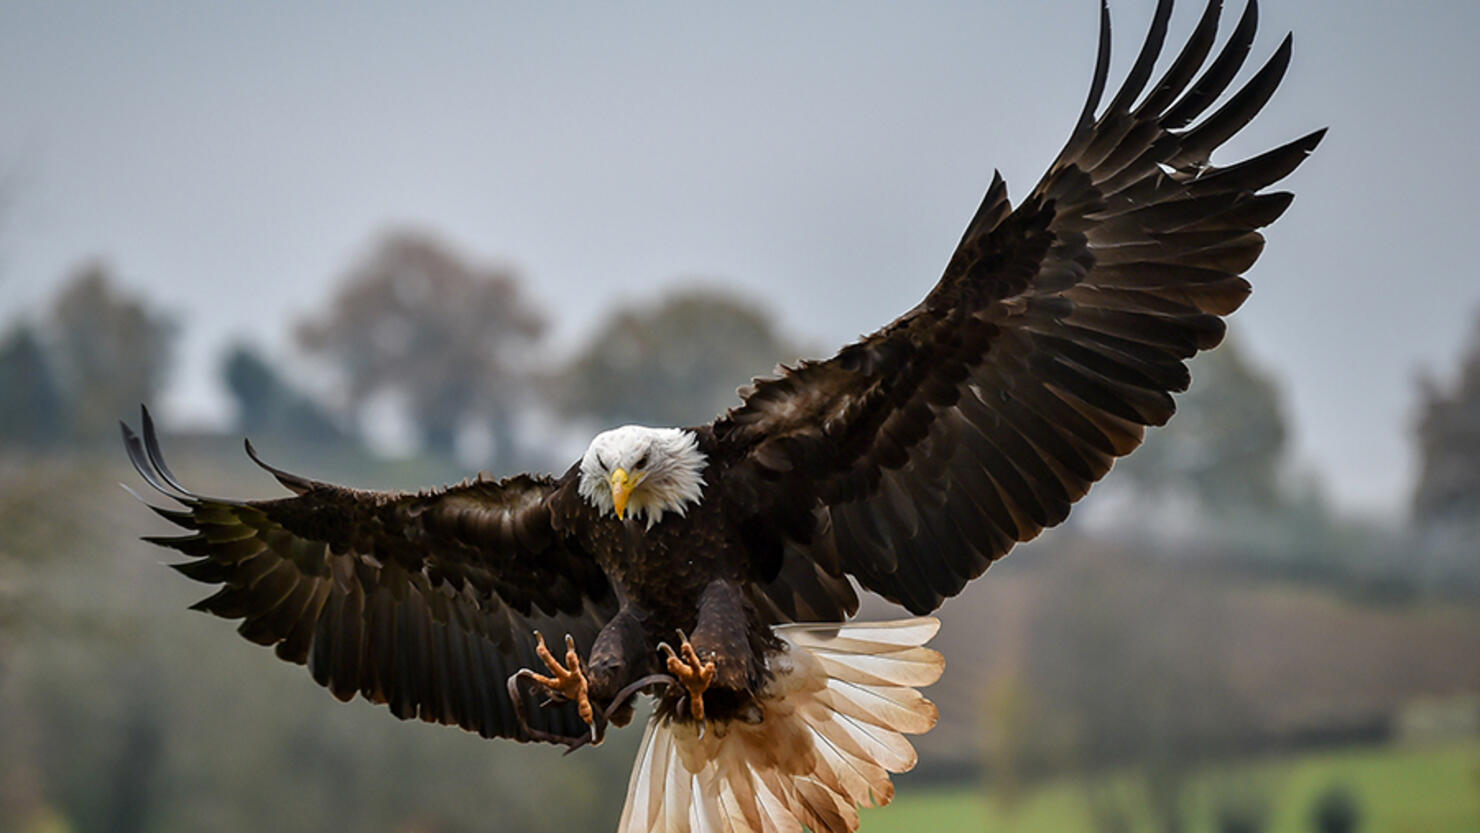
(916, 457)
(424, 602)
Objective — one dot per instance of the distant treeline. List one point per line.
(427, 351)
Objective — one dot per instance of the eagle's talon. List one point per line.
(693, 674)
(568, 682)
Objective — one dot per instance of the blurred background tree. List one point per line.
(1131, 693)
(1226, 446)
(267, 405)
(109, 350)
(674, 362)
(26, 376)
(1446, 501)
(447, 338)
(1220, 478)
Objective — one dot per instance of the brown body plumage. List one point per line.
(909, 462)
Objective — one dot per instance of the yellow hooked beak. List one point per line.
(622, 486)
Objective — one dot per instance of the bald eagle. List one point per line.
(714, 568)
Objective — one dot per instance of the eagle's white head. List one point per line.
(645, 471)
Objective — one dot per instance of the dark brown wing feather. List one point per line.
(919, 455)
(425, 602)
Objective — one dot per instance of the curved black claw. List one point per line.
(566, 683)
(598, 726)
(570, 742)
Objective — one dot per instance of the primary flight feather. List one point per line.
(709, 567)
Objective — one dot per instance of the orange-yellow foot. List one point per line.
(691, 673)
(568, 681)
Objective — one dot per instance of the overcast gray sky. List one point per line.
(232, 160)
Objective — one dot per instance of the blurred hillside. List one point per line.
(1206, 606)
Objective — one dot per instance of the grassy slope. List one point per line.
(1429, 789)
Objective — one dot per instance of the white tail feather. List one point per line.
(840, 701)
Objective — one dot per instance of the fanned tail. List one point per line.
(842, 698)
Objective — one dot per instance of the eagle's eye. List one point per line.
(643, 460)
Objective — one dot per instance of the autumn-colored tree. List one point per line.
(449, 337)
(111, 351)
(675, 362)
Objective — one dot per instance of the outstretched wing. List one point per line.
(921, 454)
(425, 602)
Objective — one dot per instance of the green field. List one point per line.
(1406, 789)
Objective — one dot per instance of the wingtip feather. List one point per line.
(290, 481)
(1102, 71)
(156, 455)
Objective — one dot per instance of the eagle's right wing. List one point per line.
(920, 454)
(424, 602)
